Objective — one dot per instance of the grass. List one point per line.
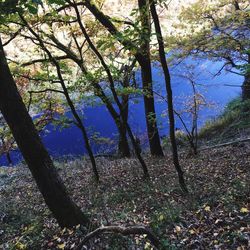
(235, 118)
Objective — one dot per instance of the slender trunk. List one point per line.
(146, 74)
(169, 96)
(195, 121)
(125, 108)
(38, 160)
(124, 149)
(68, 99)
(153, 133)
(10, 162)
(86, 140)
(246, 88)
(246, 83)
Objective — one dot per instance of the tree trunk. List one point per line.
(146, 74)
(123, 147)
(246, 88)
(123, 141)
(246, 83)
(169, 96)
(10, 163)
(36, 156)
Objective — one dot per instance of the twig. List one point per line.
(225, 144)
(132, 230)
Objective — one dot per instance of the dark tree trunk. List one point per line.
(153, 134)
(101, 94)
(146, 74)
(169, 96)
(123, 141)
(9, 158)
(38, 160)
(246, 88)
(123, 147)
(246, 83)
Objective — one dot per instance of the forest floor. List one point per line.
(214, 216)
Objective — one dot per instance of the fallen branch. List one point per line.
(225, 144)
(132, 230)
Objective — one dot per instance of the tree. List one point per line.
(192, 106)
(218, 30)
(73, 54)
(143, 58)
(167, 77)
(67, 96)
(38, 160)
(77, 58)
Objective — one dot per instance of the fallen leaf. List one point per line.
(207, 208)
(244, 210)
(61, 246)
(177, 229)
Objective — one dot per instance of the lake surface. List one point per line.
(216, 90)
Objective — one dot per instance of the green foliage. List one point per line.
(57, 2)
(215, 30)
(235, 116)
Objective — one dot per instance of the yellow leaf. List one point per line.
(207, 208)
(161, 218)
(191, 231)
(244, 210)
(61, 246)
(148, 246)
(20, 246)
(177, 229)
(70, 231)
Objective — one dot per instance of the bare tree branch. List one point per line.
(132, 230)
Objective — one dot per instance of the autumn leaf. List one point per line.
(177, 229)
(244, 210)
(61, 246)
(207, 208)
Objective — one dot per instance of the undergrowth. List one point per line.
(235, 118)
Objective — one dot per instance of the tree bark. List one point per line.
(246, 88)
(146, 74)
(169, 96)
(8, 157)
(123, 149)
(36, 156)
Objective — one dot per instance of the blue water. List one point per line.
(68, 141)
